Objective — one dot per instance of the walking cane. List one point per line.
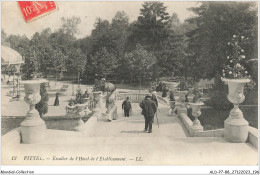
(157, 120)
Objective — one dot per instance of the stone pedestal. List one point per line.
(196, 112)
(100, 107)
(235, 126)
(87, 111)
(33, 128)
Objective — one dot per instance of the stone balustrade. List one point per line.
(182, 114)
(138, 97)
(134, 97)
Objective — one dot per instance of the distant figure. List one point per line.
(126, 105)
(172, 96)
(149, 108)
(57, 103)
(186, 98)
(164, 91)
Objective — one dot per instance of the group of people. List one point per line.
(149, 108)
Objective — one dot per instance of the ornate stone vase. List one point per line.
(172, 106)
(100, 103)
(96, 95)
(80, 113)
(80, 108)
(86, 102)
(196, 112)
(33, 128)
(235, 126)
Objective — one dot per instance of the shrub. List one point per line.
(218, 95)
(197, 95)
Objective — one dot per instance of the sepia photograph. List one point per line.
(139, 83)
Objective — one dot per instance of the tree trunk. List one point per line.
(73, 85)
(132, 77)
(78, 78)
(55, 77)
(140, 82)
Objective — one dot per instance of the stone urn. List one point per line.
(181, 95)
(96, 95)
(80, 113)
(86, 102)
(235, 126)
(190, 98)
(196, 112)
(100, 103)
(172, 106)
(33, 128)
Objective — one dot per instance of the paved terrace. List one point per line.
(122, 142)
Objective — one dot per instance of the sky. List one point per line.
(13, 22)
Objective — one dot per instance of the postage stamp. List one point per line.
(33, 9)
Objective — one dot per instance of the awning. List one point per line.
(10, 56)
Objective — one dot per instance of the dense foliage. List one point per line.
(194, 48)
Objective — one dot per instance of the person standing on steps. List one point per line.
(57, 102)
(126, 105)
(149, 109)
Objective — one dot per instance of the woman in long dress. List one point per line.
(111, 106)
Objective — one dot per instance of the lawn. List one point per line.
(59, 124)
(214, 118)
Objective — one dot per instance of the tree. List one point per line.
(77, 62)
(151, 27)
(119, 33)
(57, 62)
(139, 62)
(216, 23)
(104, 62)
(42, 106)
(70, 25)
(4, 38)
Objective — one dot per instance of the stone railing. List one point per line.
(162, 100)
(138, 97)
(134, 97)
(193, 132)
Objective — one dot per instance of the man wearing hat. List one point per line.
(149, 109)
(126, 105)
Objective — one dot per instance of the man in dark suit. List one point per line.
(149, 109)
(126, 105)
